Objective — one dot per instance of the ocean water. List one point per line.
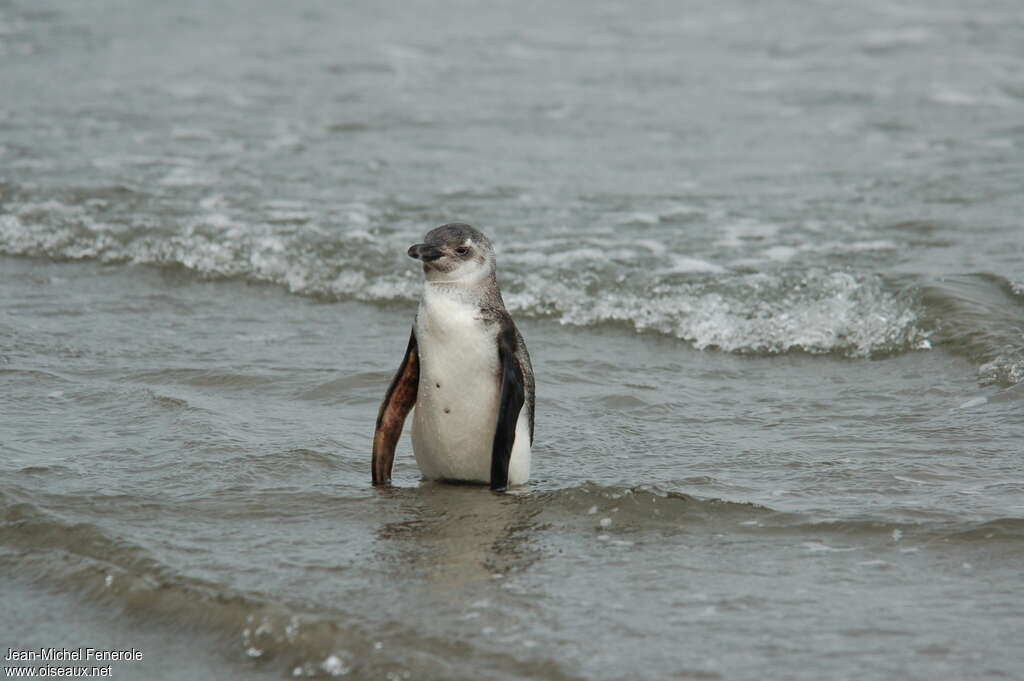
(768, 259)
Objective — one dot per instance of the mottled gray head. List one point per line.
(455, 253)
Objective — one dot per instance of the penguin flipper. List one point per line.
(513, 395)
(400, 398)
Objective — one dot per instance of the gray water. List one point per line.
(768, 259)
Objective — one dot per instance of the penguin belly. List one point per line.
(459, 395)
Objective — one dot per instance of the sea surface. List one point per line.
(768, 258)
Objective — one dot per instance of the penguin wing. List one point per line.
(513, 395)
(400, 398)
(523, 360)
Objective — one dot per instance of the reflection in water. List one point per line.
(458, 535)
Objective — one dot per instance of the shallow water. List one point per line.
(767, 261)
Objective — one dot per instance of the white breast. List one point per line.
(459, 393)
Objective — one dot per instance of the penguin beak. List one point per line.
(424, 252)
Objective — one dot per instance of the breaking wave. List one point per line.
(581, 280)
(818, 310)
(981, 317)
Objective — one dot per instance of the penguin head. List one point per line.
(455, 253)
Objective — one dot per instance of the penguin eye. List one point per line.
(461, 250)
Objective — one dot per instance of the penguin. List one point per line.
(466, 371)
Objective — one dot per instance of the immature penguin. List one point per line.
(466, 371)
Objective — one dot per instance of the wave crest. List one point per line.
(816, 311)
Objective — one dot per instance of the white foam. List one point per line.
(818, 547)
(334, 665)
(643, 219)
(780, 252)
(185, 176)
(681, 263)
(823, 312)
(655, 247)
(577, 280)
